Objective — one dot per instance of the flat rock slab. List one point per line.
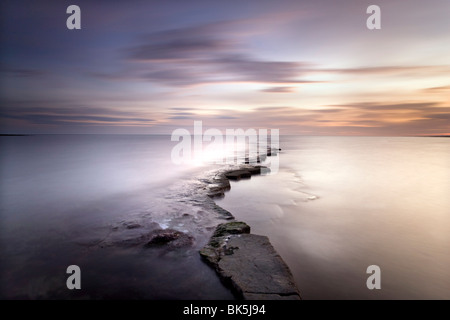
(249, 264)
(256, 269)
(238, 174)
(221, 183)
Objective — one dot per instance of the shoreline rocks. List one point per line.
(221, 182)
(246, 263)
(167, 239)
(170, 238)
(249, 264)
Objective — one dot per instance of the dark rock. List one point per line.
(214, 249)
(249, 264)
(210, 254)
(164, 238)
(222, 181)
(253, 267)
(234, 227)
(224, 214)
(170, 237)
(133, 226)
(255, 170)
(238, 174)
(218, 187)
(216, 192)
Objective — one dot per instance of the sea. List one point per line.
(333, 207)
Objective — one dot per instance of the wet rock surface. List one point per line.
(246, 263)
(249, 264)
(238, 174)
(158, 238)
(235, 227)
(133, 226)
(135, 235)
(221, 181)
(169, 237)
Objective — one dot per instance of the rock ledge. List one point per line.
(249, 264)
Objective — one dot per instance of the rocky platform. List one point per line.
(245, 262)
(249, 264)
(221, 182)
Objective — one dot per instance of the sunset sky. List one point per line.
(304, 67)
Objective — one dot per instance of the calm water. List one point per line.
(340, 204)
(336, 206)
(68, 199)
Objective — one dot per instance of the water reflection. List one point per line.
(379, 201)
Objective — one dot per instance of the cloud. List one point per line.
(439, 116)
(182, 43)
(185, 113)
(22, 72)
(420, 106)
(406, 118)
(72, 115)
(245, 68)
(215, 114)
(387, 70)
(179, 108)
(205, 54)
(438, 89)
(181, 117)
(181, 76)
(175, 49)
(215, 53)
(52, 119)
(336, 110)
(279, 90)
(226, 117)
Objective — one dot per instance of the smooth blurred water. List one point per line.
(336, 206)
(340, 204)
(63, 196)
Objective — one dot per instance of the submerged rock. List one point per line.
(234, 227)
(133, 226)
(170, 237)
(158, 238)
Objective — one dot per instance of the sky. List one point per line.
(150, 67)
